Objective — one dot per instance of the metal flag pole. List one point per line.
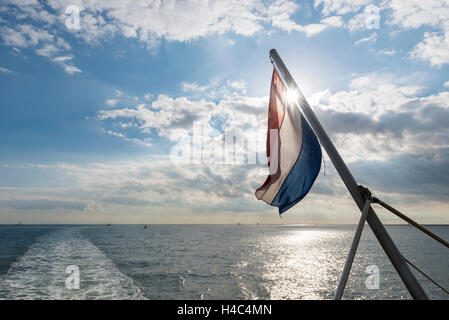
(352, 251)
(376, 225)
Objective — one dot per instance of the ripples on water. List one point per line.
(208, 262)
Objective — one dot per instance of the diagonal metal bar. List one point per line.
(352, 251)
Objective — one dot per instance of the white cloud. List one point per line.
(368, 19)
(280, 15)
(71, 69)
(341, 6)
(151, 21)
(42, 41)
(434, 48)
(68, 68)
(25, 36)
(166, 114)
(237, 84)
(371, 38)
(111, 102)
(62, 58)
(93, 206)
(124, 137)
(374, 106)
(405, 14)
(413, 14)
(216, 88)
(387, 52)
(6, 71)
(193, 87)
(446, 84)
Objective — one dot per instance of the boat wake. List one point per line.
(41, 272)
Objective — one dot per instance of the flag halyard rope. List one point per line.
(366, 192)
(425, 275)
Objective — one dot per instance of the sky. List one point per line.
(98, 96)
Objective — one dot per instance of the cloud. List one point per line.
(127, 201)
(24, 36)
(371, 38)
(368, 19)
(415, 14)
(405, 15)
(387, 52)
(111, 102)
(379, 125)
(412, 14)
(71, 69)
(380, 119)
(42, 41)
(6, 71)
(42, 204)
(150, 22)
(93, 206)
(164, 115)
(376, 108)
(280, 13)
(216, 88)
(382, 126)
(341, 6)
(42, 26)
(237, 84)
(62, 58)
(186, 87)
(68, 68)
(393, 139)
(423, 175)
(434, 47)
(120, 135)
(144, 183)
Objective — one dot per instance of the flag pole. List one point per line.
(352, 251)
(376, 225)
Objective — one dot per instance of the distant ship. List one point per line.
(145, 227)
(238, 223)
(19, 224)
(108, 224)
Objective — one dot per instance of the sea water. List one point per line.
(210, 262)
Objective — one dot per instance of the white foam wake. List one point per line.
(41, 272)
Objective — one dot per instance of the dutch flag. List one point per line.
(293, 151)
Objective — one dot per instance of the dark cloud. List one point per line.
(134, 187)
(421, 119)
(424, 175)
(126, 201)
(43, 204)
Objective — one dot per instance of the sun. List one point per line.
(291, 96)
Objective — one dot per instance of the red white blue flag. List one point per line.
(293, 151)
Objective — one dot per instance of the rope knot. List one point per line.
(365, 192)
